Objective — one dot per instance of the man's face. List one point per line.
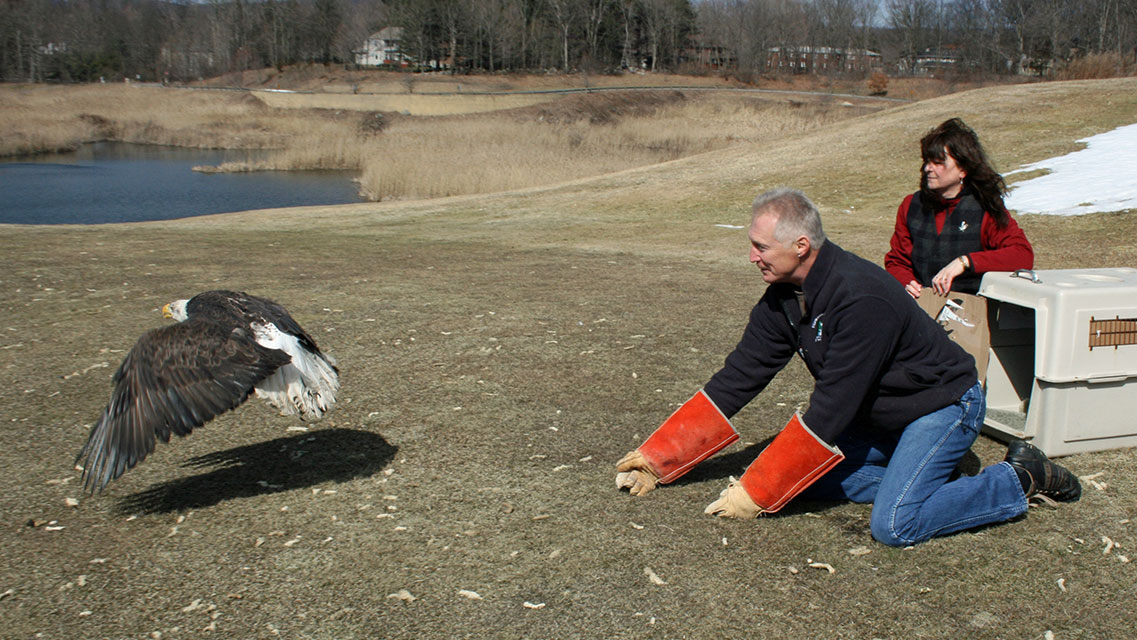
(777, 262)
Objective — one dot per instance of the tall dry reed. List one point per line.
(432, 158)
(401, 156)
(37, 119)
(1098, 66)
(425, 160)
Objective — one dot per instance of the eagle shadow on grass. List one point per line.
(283, 464)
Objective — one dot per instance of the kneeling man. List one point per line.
(895, 403)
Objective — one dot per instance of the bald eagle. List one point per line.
(225, 346)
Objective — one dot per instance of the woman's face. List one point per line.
(944, 176)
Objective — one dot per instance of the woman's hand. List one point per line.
(913, 288)
(941, 283)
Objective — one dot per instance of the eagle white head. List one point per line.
(176, 310)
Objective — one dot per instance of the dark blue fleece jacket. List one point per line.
(878, 361)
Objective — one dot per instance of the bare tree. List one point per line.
(596, 12)
(975, 34)
(486, 17)
(565, 15)
(836, 21)
(26, 31)
(323, 24)
(665, 25)
(419, 27)
(513, 39)
(629, 14)
(912, 23)
(742, 27)
(363, 18)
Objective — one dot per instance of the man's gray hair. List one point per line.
(797, 216)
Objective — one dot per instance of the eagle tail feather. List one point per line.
(306, 387)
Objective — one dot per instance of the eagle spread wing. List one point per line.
(175, 379)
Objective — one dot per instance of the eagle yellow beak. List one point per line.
(166, 313)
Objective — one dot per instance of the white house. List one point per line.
(382, 49)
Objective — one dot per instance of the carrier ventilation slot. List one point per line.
(1113, 333)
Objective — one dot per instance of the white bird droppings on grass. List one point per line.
(402, 594)
(1109, 545)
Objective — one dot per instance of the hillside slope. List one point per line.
(857, 171)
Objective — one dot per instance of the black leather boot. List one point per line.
(1040, 476)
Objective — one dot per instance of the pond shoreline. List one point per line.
(121, 182)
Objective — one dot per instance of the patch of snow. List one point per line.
(1096, 179)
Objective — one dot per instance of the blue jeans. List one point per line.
(906, 477)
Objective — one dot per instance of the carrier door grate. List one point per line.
(1113, 333)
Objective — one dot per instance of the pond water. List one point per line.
(115, 182)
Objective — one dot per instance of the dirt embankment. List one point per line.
(336, 79)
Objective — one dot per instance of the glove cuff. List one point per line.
(793, 461)
(696, 431)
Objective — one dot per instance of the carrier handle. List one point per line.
(1027, 274)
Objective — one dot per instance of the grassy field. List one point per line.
(499, 353)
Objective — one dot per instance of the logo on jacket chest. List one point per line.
(818, 328)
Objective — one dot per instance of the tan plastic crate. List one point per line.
(1063, 366)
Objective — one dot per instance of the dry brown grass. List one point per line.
(516, 141)
(413, 104)
(499, 353)
(47, 118)
(426, 158)
(857, 170)
(1097, 66)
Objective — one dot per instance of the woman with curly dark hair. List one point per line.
(956, 227)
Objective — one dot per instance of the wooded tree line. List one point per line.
(595, 35)
(83, 40)
(1014, 35)
(987, 36)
